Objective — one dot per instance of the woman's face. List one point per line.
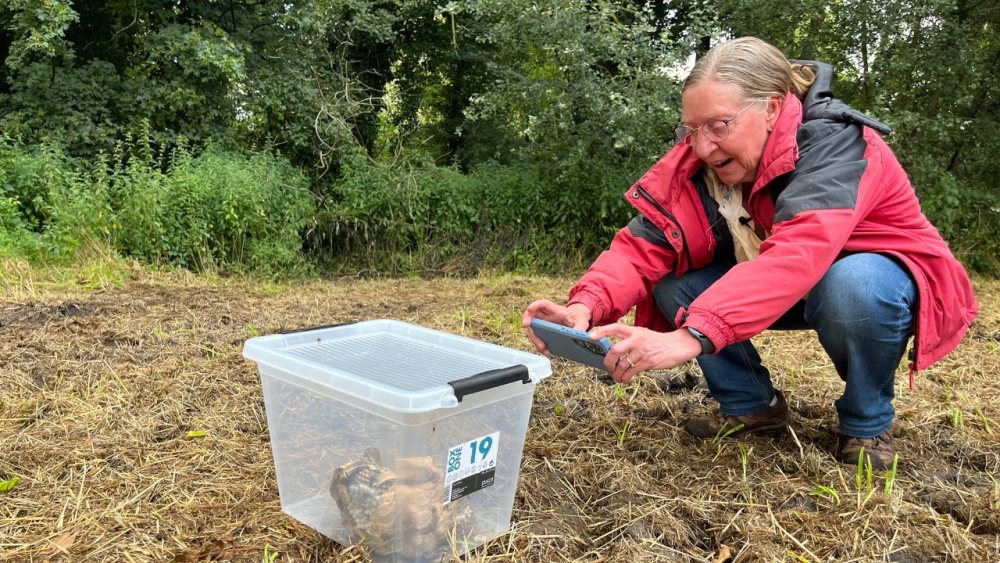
(736, 157)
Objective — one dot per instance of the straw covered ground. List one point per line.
(133, 430)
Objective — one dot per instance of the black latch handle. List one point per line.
(489, 380)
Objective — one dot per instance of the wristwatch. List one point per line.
(706, 345)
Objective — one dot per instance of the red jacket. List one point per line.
(827, 186)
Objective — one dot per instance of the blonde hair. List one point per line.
(759, 69)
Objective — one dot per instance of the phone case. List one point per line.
(571, 343)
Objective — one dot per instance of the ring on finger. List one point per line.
(626, 358)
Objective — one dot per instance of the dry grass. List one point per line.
(102, 388)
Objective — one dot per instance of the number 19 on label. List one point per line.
(473, 456)
(482, 446)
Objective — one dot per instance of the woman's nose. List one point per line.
(703, 146)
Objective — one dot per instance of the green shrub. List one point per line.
(216, 209)
(15, 237)
(409, 215)
(967, 217)
(15, 233)
(50, 208)
(566, 216)
(395, 216)
(28, 176)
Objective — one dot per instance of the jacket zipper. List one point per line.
(668, 215)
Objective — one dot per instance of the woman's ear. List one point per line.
(773, 110)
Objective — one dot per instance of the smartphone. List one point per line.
(571, 343)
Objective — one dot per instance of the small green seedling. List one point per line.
(621, 432)
(744, 457)
(824, 491)
(869, 480)
(463, 316)
(859, 475)
(725, 433)
(890, 476)
(269, 556)
(864, 477)
(957, 416)
(9, 484)
(986, 423)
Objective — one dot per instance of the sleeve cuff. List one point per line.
(593, 303)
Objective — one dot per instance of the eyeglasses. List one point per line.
(715, 130)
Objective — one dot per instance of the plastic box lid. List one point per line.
(393, 364)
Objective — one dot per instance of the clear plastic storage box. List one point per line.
(403, 438)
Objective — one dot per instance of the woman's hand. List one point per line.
(640, 349)
(575, 316)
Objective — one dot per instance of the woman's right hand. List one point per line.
(575, 316)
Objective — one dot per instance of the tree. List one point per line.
(244, 73)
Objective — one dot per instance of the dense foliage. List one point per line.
(405, 135)
(213, 210)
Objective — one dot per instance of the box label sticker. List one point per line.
(471, 466)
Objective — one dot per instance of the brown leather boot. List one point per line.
(879, 450)
(769, 421)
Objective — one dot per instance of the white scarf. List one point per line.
(730, 198)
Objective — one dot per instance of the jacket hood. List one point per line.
(819, 102)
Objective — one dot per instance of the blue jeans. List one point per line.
(862, 310)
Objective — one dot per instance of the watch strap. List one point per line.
(706, 345)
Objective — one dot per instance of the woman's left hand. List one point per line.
(639, 349)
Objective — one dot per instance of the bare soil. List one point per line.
(138, 432)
